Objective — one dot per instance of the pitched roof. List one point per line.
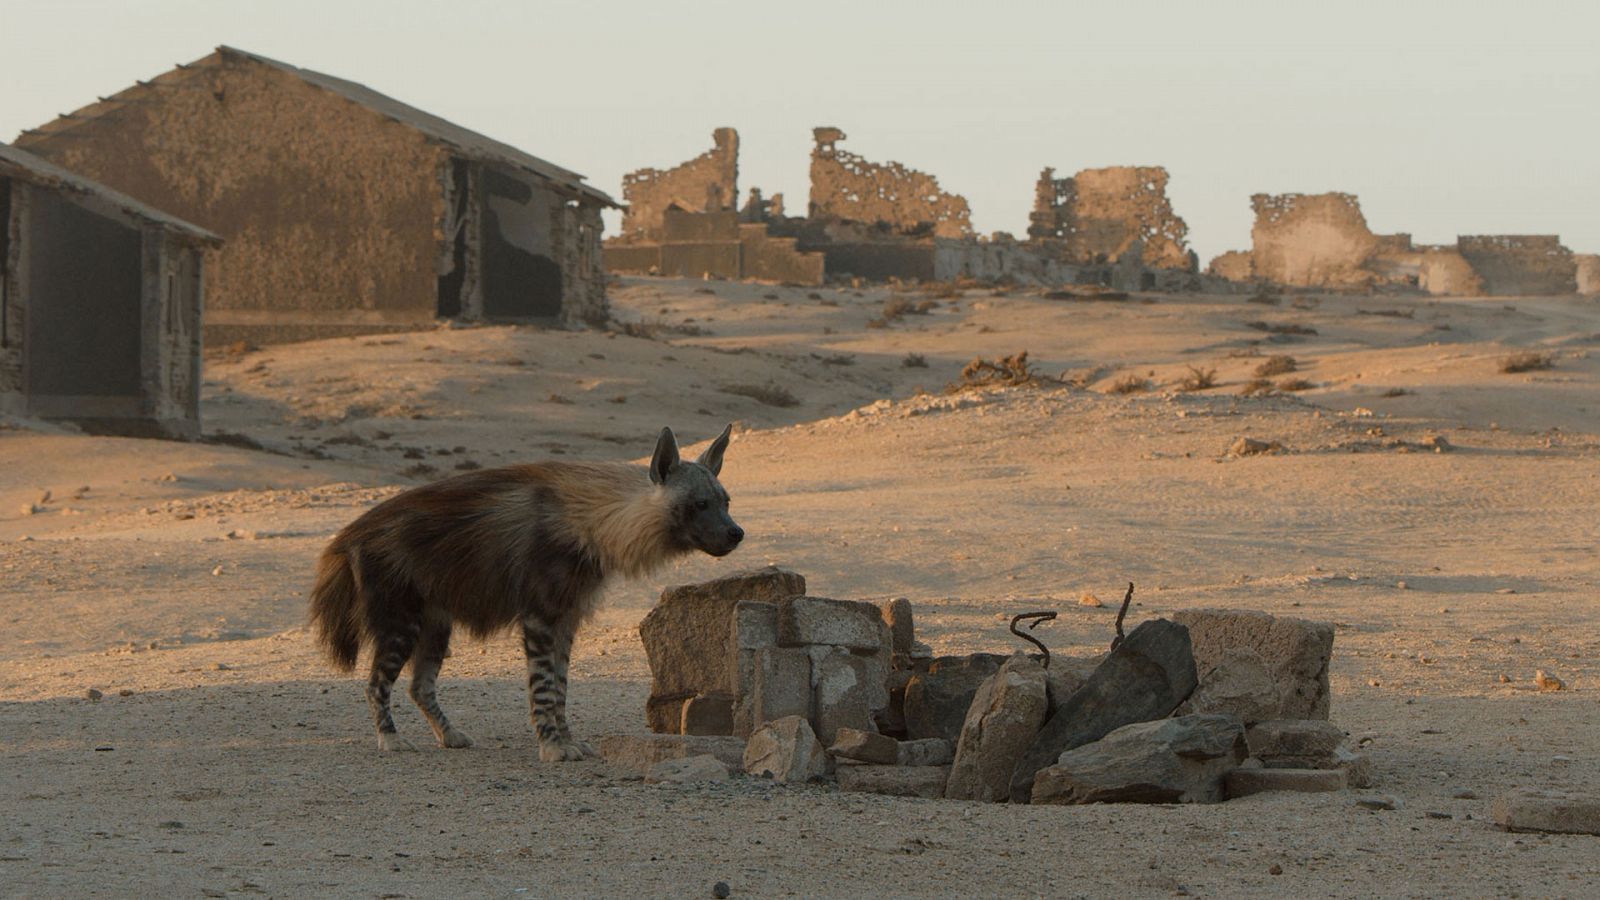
(468, 143)
(24, 166)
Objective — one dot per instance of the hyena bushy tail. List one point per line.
(336, 609)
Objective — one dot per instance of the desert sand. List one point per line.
(225, 757)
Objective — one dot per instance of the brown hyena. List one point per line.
(524, 545)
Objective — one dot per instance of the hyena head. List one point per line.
(699, 505)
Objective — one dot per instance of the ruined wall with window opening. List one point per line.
(888, 196)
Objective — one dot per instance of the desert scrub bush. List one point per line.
(1130, 384)
(769, 394)
(1007, 371)
(1256, 387)
(914, 361)
(1295, 384)
(1276, 365)
(1198, 379)
(1265, 295)
(1526, 361)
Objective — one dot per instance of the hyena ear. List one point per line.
(666, 458)
(712, 457)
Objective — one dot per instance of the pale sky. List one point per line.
(1445, 118)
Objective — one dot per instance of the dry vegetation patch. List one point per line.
(1007, 371)
(769, 394)
(1198, 379)
(1130, 384)
(1526, 361)
(1276, 365)
(1295, 384)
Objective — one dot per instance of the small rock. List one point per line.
(1296, 652)
(1179, 760)
(1089, 599)
(640, 753)
(1503, 678)
(865, 746)
(1464, 794)
(1275, 870)
(1238, 684)
(1400, 585)
(217, 571)
(1379, 801)
(93, 694)
(222, 667)
(28, 509)
(1006, 714)
(1246, 446)
(689, 770)
(1547, 811)
(720, 890)
(1548, 682)
(1438, 815)
(125, 692)
(787, 750)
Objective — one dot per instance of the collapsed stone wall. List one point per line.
(1311, 240)
(890, 196)
(1588, 274)
(1519, 264)
(707, 183)
(1099, 214)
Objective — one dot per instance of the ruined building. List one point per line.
(345, 211)
(888, 197)
(1322, 241)
(1099, 215)
(706, 184)
(100, 301)
(682, 221)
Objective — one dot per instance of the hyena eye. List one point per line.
(702, 505)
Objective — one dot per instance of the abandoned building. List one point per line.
(683, 222)
(100, 304)
(1098, 215)
(344, 211)
(1322, 241)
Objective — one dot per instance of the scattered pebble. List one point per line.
(217, 571)
(93, 694)
(720, 890)
(125, 692)
(1504, 678)
(1438, 815)
(1275, 870)
(1379, 801)
(1464, 794)
(1089, 599)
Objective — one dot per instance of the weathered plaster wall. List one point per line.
(1588, 273)
(889, 196)
(707, 183)
(1311, 240)
(1099, 214)
(1520, 264)
(1445, 272)
(328, 209)
(1234, 265)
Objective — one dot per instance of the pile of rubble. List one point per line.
(751, 674)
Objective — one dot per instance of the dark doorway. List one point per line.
(520, 279)
(452, 282)
(85, 283)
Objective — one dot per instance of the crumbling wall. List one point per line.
(1588, 275)
(329, 210)
(1445, 272)
(1234, 265)
(889, 196)
(1311, 240)
(1520, 264)
(707, 183)
(715, 245)
(1099, 214)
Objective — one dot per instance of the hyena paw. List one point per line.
(389, 741)
(565, 751)
(454, 740)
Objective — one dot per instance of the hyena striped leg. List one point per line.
(549, 647)
(429, 656)
(390, 653)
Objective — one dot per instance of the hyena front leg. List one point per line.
(432, 647)
(389, 656)
(548, 646)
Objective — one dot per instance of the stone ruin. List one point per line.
(1099, 215)
(683, 222)
(1323, 241)
(750, 673)
(889, 197)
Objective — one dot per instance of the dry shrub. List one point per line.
(1007, 371)
(1266, 296)
(1396, 392)
(1276, 365)
(914, 361)
(835, 359)
(1295, 384)
(1526, 361)
(1283, 328)
(947, 290)
(1198, 379)
(1257, 387)
(557, 398)
(1130, 384)
(769, 394)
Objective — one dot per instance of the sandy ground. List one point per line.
(224, 757)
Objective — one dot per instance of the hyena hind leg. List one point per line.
(390, 652)
(426, 661)
(548, 647)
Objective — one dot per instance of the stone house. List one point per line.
(100, 304)
(345, 211)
